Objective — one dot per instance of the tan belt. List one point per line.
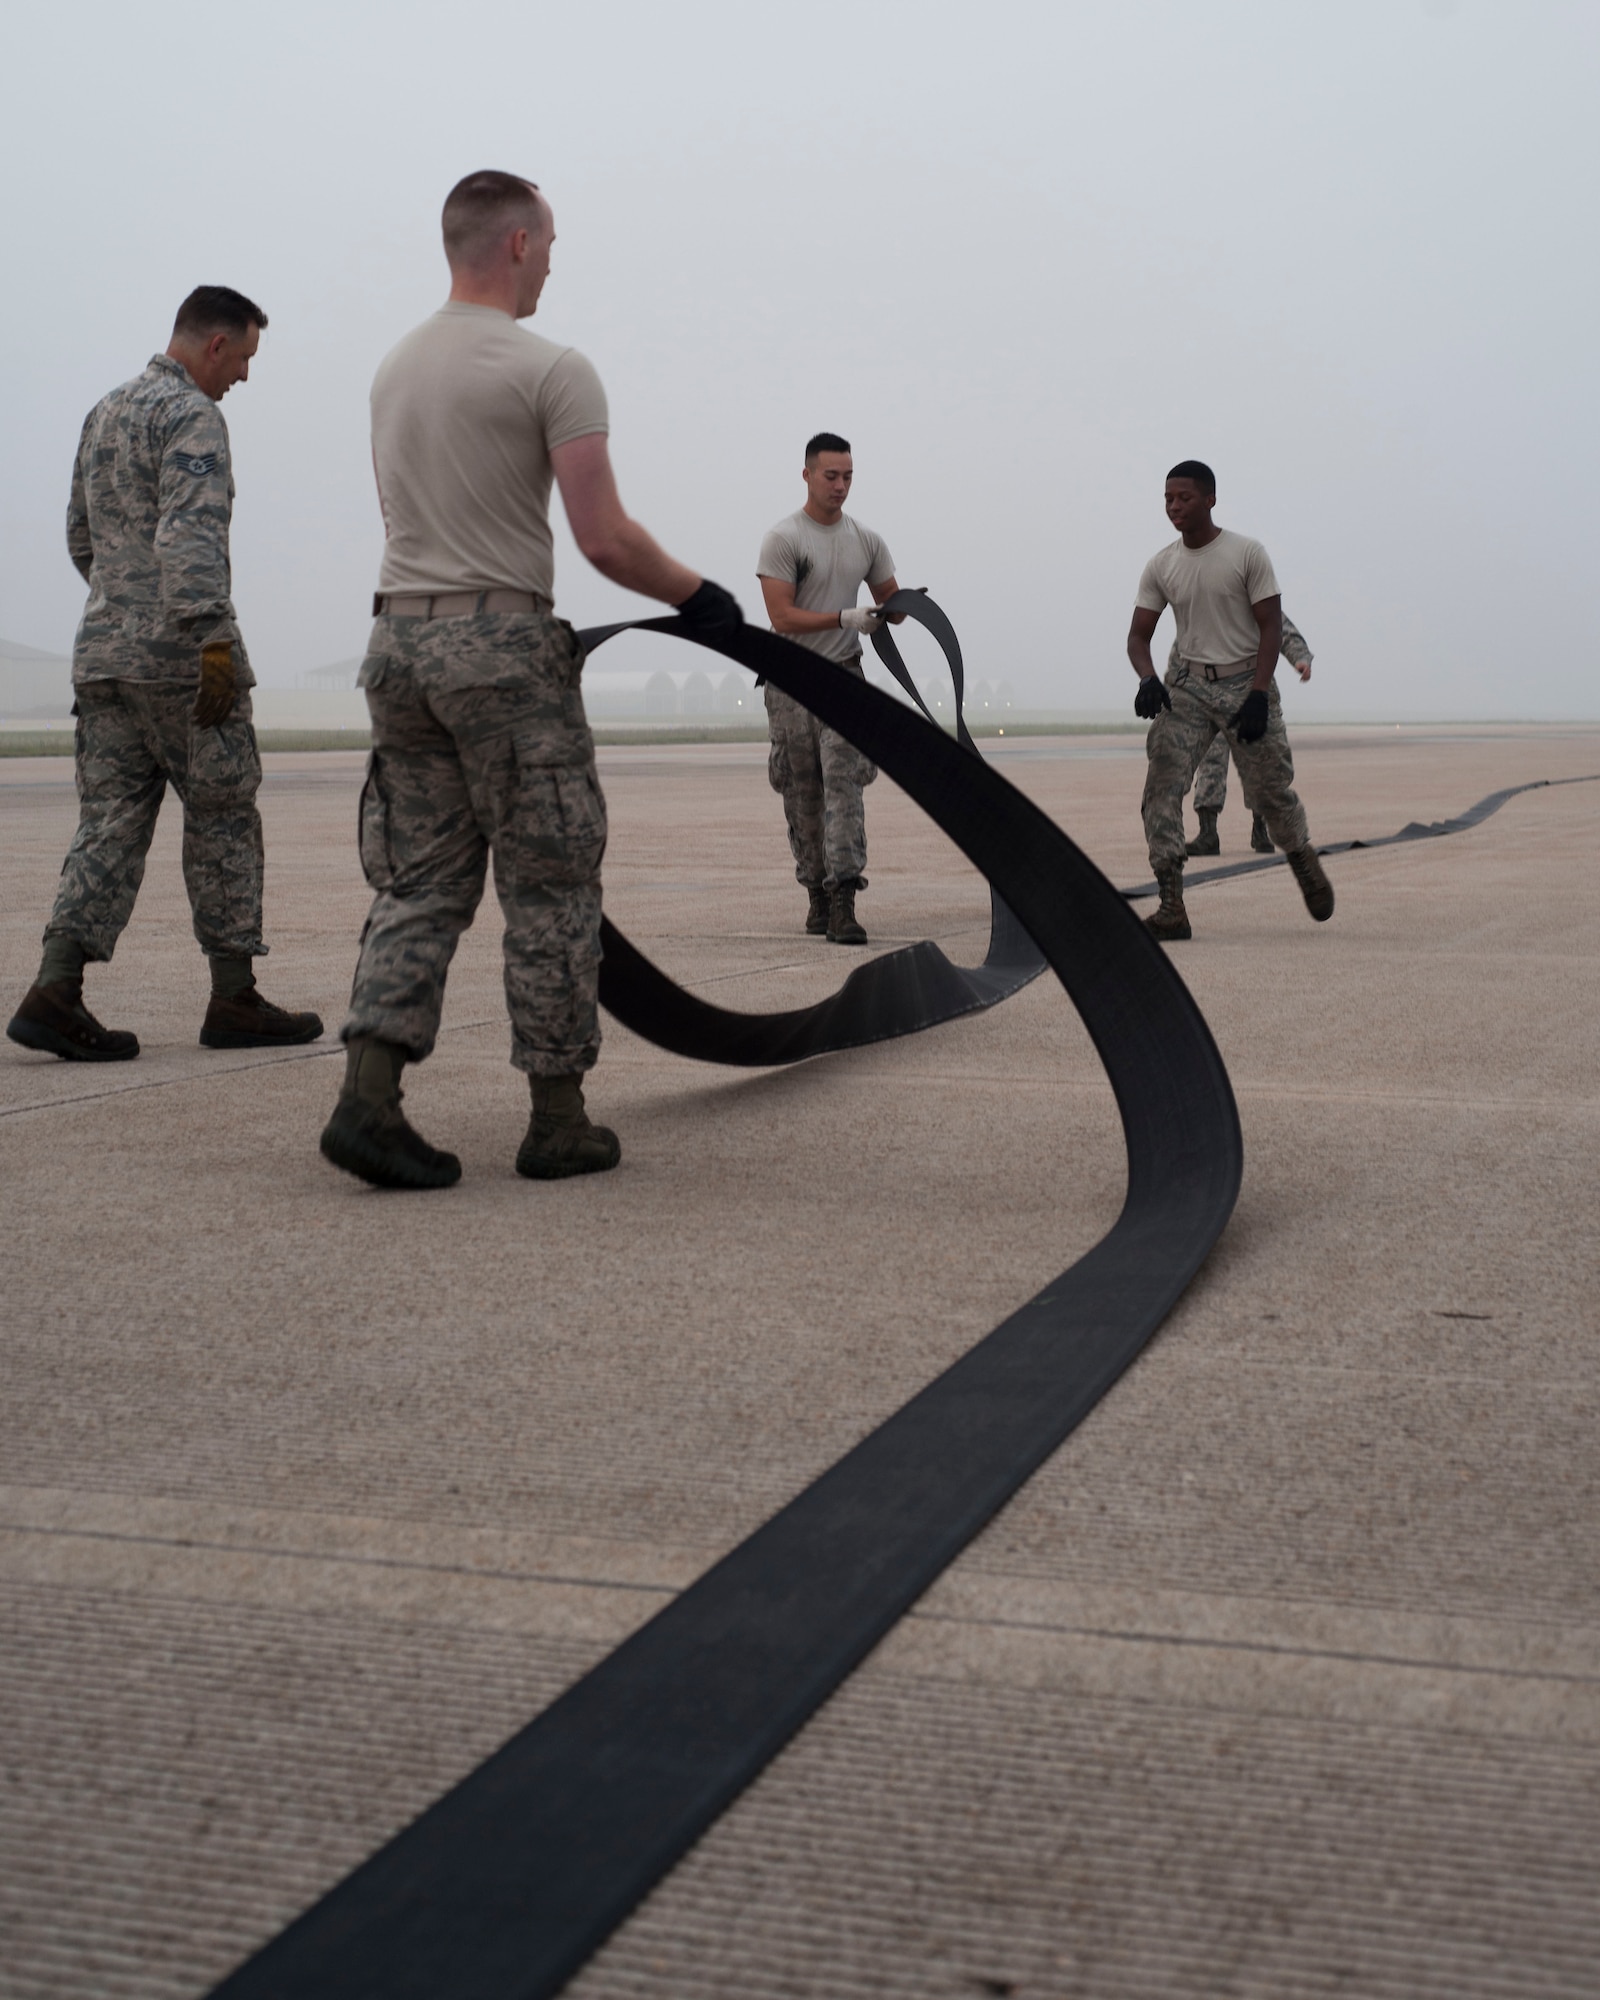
(1211, 673)
(458, 604)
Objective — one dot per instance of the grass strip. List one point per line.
(59, 742)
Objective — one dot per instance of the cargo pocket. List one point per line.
(373, 669)
(560, 831)
(777, 763)
(224, 766)
(377, 856)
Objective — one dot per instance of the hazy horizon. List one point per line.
(1024, 260)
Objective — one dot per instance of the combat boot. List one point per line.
(1314, 884)
(54, 1020)
(245, 1020)
(368, 1134)
(1205, 841)
(817, 914)
(1171, 920)
(561, 1141)
(1260, 839)
(842, 925)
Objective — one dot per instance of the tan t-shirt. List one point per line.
(465, 413)
(1211, 591)
(827, 566)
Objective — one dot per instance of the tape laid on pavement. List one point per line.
(1434, 829)
(508, 1883)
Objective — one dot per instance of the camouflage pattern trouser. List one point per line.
(1211, 780)
(480, 748)
(821, 777)
(134, 738)
(1180, 737)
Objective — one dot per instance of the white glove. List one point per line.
(861, 618)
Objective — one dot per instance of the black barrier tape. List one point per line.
(899, 993)
(508, 1883)
(1434, 829)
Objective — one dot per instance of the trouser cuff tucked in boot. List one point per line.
(843, 927)
(1170, 922)
(230, 976)
(560, 1140)
(1314, 884)
(372, 1070)
(369, 1135)
(63, 961)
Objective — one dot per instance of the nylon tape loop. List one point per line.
(505, 1886)
(898, 993)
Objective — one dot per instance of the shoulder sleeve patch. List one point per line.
(200, 463)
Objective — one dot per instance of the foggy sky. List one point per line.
(1024, 257)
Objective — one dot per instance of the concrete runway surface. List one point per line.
(1281, 1679)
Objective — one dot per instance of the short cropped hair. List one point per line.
(480, 208)
(1197, 470)
(217, 309)
(825, 441)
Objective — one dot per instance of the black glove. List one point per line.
(712, 611)
(1250, 718)
(1151, 698)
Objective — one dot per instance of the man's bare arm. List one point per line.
(1140, 633)
(785, 616)
(1269, 623)
(881, 593)
(617, 546)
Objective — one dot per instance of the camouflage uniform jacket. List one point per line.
(1292, 647)
(147, 528)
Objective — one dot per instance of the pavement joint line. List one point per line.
(1367, 1712)
(1310, 1094)
(971, 1621)
(1548, 1385)
(751, 972)
(272, 1058)
(1298, 1093)
(266, 1059)
(789, 964)
(1253, 1646)
(255, 1549)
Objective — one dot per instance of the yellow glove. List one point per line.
(218, 692)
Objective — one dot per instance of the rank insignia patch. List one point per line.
(198, 462)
